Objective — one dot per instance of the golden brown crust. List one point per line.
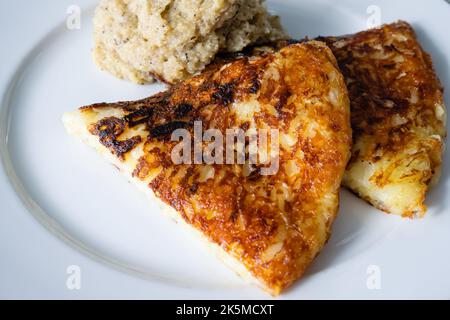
(397, 109)
(274, 225)
(383, 72)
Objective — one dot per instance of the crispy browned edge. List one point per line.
(380, 90)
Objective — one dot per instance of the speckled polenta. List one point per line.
(171, 40)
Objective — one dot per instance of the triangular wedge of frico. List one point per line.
(398, 117)
(268, 226)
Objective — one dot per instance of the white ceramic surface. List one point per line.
(62, 205)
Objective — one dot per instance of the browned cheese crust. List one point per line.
(274, 225)
(397, 114)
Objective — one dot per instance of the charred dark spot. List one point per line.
(166, 129)
(122, 147)
(224, 94)
(139, 116)
(371, 120)
(389, 66)
(255, 174)
(108, 130)
(96, 106)
(366, 48)
(245, 126)
(234, 216)
(256, 85)
(193, 188)
(108, 127)
(282, 99)
(392, 47)
(344, 62)
(182, 110)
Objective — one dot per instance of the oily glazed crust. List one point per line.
(274, 225)
(398, 116)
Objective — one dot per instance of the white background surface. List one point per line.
(124, 246)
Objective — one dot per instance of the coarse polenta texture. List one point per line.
(171, 40)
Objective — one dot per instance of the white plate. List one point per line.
(50, 179)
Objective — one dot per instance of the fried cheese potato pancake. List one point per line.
(398, 117)
(171, 40)
(268, 228)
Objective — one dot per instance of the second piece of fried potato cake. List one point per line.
(398, 117)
